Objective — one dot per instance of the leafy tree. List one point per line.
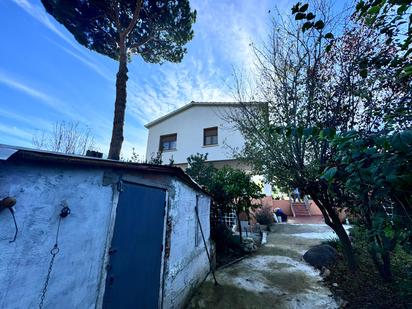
(157, 30)
(231, 189)
(277, 132)
(201, 171)
(371, 163)
(376, 173)
(393, 18)
(312, 85)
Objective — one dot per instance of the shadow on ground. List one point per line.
(275, 277)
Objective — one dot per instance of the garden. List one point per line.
(331, 114)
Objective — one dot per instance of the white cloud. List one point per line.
(30, 91)
(35, 122)
(40, 96)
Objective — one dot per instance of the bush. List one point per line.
(224, 239)
(264, 215)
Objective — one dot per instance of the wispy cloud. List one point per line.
(30, 91)
(16, 132)
(34, 122)
(223, 33)
(89, 63)
(42, 97)
(41, 16)
(171, 89)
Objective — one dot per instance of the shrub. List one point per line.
(264, 215)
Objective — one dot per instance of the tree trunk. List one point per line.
(120, 104)
(382, 264)
(240, 227)
(386, 266)
(347, 246)
(333, 221)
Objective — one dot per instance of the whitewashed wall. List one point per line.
(76, 275)
(189, 125)
(77, 268)
(187, 265)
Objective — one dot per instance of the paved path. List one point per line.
(275, 277)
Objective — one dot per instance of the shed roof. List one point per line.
(19, 154)
(187, 106)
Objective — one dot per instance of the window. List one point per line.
(168, 142)
(210, 136)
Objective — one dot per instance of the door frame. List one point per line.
(112, 221)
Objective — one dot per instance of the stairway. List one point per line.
(300, 210)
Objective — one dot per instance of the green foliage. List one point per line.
(162, 29)
(328, 97)
(201, 171)
(234, 189)
(231, 189)
(375, 173)
(366, 286)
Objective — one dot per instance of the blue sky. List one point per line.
(46, 76)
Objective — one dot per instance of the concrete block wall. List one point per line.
(187, 264)
(39, 191)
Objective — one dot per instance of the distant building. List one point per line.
(198, 127)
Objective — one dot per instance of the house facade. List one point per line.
(198, 127)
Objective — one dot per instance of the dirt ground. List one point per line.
(275, 277)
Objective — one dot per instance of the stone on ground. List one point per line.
(321, 256)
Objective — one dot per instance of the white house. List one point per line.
(198, 127)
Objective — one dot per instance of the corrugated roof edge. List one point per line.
(28, 154)
(187, 106)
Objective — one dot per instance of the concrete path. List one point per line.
(275, 277)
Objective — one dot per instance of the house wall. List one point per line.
(189, 125)
(76, 272)
(187, 264)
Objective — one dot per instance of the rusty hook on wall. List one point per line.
(8, 203)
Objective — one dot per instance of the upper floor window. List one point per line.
(168, 142)
(210, 136)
